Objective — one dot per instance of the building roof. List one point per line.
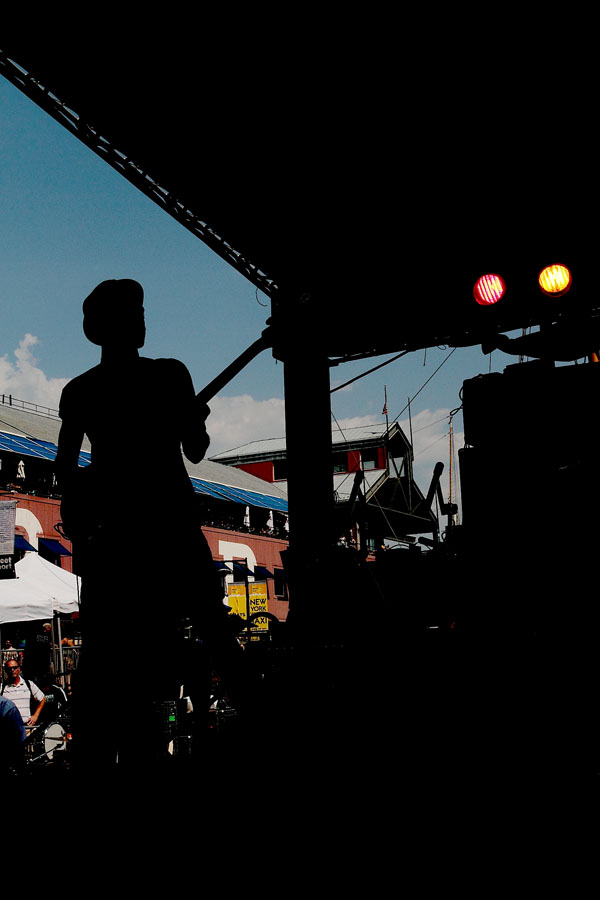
(275, 448)
(29, 420)
(229, 483)
(33, 431)
(394, 505)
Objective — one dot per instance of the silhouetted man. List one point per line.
(132, 513)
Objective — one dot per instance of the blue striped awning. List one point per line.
(46, 450)
(26, 446)
(239, 495)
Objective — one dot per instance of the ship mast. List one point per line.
(451, 515)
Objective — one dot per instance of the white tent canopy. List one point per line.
(40, 590)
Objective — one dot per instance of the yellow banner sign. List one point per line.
(257, 602)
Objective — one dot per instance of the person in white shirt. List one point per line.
(21, 692)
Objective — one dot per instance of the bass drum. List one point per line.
(55, 738)
(44, 742)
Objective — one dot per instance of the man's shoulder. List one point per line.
(6, 706)
(85, 377)
(9, 711)
(79, 385)
(25, 684)
(13, 688)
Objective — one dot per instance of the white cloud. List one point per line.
(431, 442)
(235, 421)
(238, 420)
(24, 380)
(357, 421)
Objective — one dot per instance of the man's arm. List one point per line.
(195, 441)
(70, 439)
(194, 436)
(33, 718)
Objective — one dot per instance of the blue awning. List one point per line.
(27, 446)
(221, 566)
(47, 450)
(54, 547)
(239, 495)
(262, 572)
(22, 544)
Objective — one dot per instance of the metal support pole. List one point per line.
(310, 475)
(247, 589)
(61, 663)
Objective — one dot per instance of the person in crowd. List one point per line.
(69, 657)
(39, 659)
(10, 652)
(56, 699)
(12, 736)
(26, 695)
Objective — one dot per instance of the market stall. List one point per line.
(40, 591)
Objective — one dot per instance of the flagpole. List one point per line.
(412, 454)
(387, 428)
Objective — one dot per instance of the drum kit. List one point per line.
(46, 744)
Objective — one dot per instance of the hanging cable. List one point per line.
(432, 444)
(443, 363)
(364, 374)
(431, 424)
(344, 437)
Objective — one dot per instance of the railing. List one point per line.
(9, 400)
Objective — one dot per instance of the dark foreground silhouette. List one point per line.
(137, 538)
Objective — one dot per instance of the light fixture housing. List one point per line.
(555, 280)
(489, 289)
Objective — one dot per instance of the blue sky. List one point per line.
(68, 221)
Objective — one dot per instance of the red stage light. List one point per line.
(489, 289)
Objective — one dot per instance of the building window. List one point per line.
(370, 459)
(279, 583)
(280, 470)
(340, 462)
(398, 466)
